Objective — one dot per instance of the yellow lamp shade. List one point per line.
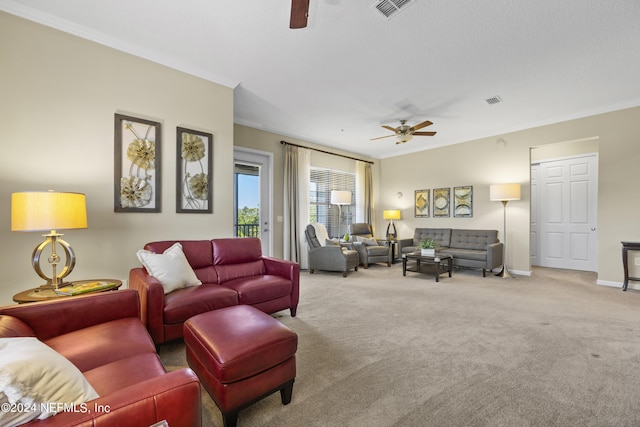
(391, 214)
(47, 210)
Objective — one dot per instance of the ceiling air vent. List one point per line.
(493, 100)
(388, 8)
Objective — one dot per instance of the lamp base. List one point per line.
(391, 231)
(50, 285)
(504, 273)
(56, 280)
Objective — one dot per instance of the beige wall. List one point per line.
(564, 149)
(270, 142)
(59, 96)
(487, 161)
(478, 163)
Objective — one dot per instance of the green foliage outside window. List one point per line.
(248, 217)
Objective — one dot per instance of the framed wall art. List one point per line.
(463, 202)
(421, 203)
(137, 165)
(194, 171)
(441, 202)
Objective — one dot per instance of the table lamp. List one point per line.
(49, 211)
(392, 234)
(503, 193)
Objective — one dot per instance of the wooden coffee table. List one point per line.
(413, 261)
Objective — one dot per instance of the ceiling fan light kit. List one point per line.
(401, 139)
(405, 133)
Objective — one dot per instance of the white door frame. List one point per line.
(264, 160)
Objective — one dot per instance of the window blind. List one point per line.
(321, 210)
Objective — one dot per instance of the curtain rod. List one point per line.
(326, 152)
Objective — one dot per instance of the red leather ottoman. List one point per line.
(241, 355)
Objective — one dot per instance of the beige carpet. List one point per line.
(378, 349)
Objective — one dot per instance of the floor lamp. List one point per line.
(340, 198)
(503, 193)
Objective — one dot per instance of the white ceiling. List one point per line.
(351, 70)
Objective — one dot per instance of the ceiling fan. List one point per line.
(299, 13)
(404, 133)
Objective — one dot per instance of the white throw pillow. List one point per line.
(171, 268)
(37, 382)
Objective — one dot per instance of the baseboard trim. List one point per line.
(513, 272)
(521, 272)
(635, 286)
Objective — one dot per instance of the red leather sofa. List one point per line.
(102, 335)
(233, 271)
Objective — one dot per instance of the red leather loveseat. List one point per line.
(102, 335)
(232, 271)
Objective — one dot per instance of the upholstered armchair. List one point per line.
(370, 249)
(328, 256)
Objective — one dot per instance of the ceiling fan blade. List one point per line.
(422, 125)
(299, 13)
(424, 133)
(390, 128)
(380, 137)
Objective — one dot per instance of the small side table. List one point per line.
(347, 244)
(394, 245)
(46, 294)
(626, 247)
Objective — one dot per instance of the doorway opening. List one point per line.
(247, 203)
(252, 195)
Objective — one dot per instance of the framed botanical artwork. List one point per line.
(137, 165)
(194, 170)
(463, 202)
(421, 203)
(441, 202)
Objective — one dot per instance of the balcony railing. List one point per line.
(247, 230)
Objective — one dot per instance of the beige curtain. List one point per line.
(368, 194)
(364, 191)
(296, 203)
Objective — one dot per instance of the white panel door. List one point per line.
(567, 213)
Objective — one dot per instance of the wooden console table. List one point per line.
(626, 247)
